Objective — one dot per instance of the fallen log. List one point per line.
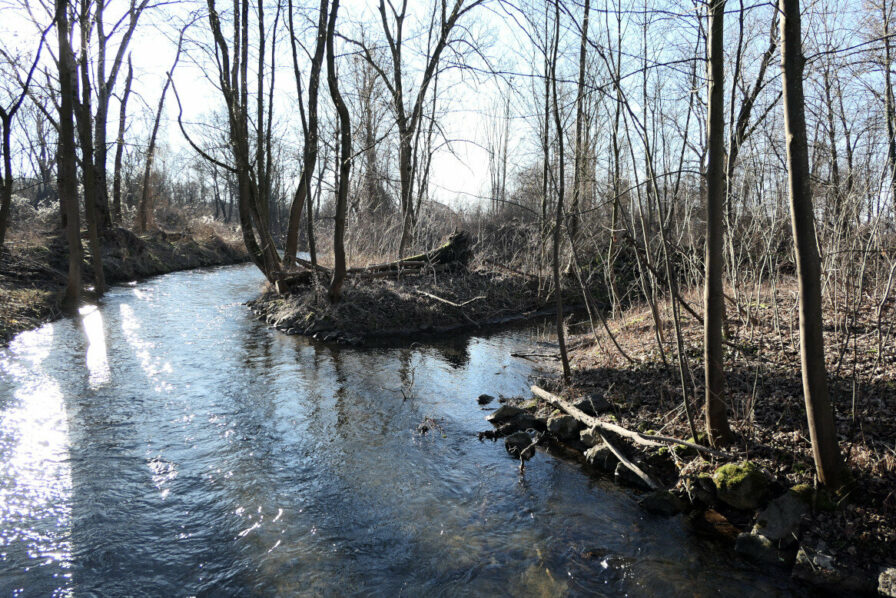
(455, 252)
(637, 437)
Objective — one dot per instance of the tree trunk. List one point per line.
(558, 221)
(310, 130)
(344, 161)
(828, 462)
(67, 169)
(88, 157)
(715, 410)
(577, 183)
(119, 145)
(6, 199)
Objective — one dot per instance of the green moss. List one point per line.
(530, 405)
(732, 475)
(804, 492)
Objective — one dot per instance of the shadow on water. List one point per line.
(168, 444)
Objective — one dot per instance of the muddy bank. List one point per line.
(375, 310)
(33, 275)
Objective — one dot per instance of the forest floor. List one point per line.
(374, 310)
(33, 267)
(855, 528)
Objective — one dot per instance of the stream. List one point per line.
(167, 444)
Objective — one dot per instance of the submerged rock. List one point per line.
(626, 477)
(520, 445)
(504, 413)
(520, 423)
(820, 569)
(564, 427)
(741, 485)
(757, 547)
(663, 502)
(602, 458)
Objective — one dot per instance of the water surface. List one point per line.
(166, 444)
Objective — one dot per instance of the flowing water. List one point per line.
(166, 444)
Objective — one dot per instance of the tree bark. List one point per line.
(715, 408)
(828, 462)
(88, 156)
(344, 161)
(67, 169)
(558, 220)
(119, 145)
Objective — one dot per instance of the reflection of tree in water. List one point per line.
(455, 351)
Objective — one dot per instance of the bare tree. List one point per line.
(309, 126)
(715, 412)
(343, 159)
(145, 219)
(7, 114)
(408, 117)
(233, 81)
(119, 143)
(828, 462)
(68, 183)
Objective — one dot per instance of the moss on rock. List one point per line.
(741, 485)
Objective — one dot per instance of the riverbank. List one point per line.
(408, 305)
(33, 271)
(760, 495)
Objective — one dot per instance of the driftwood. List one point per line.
(455, 252)
(636, 437)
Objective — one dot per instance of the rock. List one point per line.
(590, 436)
(781, 518)
(701, 489)
(504, 413)
(593, 404)
(530, 405)
(663, 502)
(520, 445)
(886, 582)
(485, 399)
(602, 458)
(816, 568)
(741, 485)
(626, 477)
(564, 427)
(757, 547)
(519, 423)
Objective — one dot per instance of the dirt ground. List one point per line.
(407, 306)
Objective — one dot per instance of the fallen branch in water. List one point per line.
(651, 483)
(637, 437)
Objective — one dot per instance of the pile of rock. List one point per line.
(739, 501)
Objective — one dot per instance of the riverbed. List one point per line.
(165, 443)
